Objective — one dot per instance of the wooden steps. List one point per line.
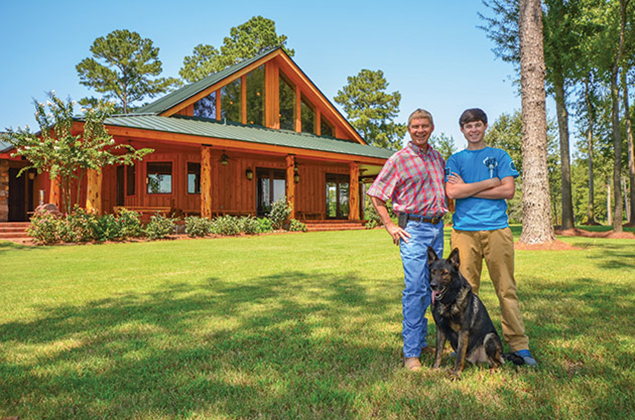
(14, 231)
(329, 225)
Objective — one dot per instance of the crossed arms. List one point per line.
(493, 188)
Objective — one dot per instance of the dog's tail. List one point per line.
(514, 358)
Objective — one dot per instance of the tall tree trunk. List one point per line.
(609, 212)
(615, 119)
(625, 198)
(591, 113)
(631, 153)
(537, 226)
(565, 158)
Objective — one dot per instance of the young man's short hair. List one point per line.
(472, 115)
(420, 113)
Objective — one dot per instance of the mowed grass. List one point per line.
(295, 326)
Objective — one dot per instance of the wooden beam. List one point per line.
(298, 109)
(206, 181)
(318, 121)
(94, 191)
(291, 184)
(353, 191)
(243, 99)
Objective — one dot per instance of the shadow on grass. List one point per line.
(279, 345)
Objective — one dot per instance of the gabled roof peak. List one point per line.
(187, 91)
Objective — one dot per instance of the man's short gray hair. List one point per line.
(420, 113)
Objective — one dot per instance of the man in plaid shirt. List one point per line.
(413, 178)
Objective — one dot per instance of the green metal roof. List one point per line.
(250, 134)
(186, 92)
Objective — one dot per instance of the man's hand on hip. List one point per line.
(397, 233)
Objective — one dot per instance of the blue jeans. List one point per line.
(416, 295)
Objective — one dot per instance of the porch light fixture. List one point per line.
(249, 174)
(224, 159)
(31, 175)
(296, 175)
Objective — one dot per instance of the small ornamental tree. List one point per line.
(66, 153)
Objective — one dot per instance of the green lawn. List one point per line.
(295, 326)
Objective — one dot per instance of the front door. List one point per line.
(17, 196)
(337, 187)
(271, 187)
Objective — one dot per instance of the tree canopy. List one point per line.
(253, 37)
(124, 67)
(64, 155)
(371, 110)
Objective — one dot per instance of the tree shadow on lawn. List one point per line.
(289, 343)
(581, 322)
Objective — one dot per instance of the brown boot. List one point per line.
(412, 363)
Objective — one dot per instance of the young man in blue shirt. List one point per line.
(480, 179)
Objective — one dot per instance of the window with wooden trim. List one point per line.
(326, 128)
(287, 104)
(230, 106)
(193, 178)
(308, 115)
(256, 96)
(159, 177)
(131, 179)
(206, 107)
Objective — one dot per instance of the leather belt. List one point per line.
(433, 220)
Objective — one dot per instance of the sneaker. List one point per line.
(412, 364)
(526, 355)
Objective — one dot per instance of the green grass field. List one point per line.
(295, 326)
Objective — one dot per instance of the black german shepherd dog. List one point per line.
(461, 317)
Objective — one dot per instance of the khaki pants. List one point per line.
(497, 248)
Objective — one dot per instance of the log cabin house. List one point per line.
(231, 143)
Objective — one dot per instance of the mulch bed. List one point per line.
(558, 245)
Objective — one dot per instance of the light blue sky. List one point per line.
(431, 51)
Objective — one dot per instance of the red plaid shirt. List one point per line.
(414, 181)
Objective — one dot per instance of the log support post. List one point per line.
(206, 182)
(94, 192)
(353, 212)
(291, 173)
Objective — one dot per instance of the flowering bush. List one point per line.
(297, 226)
(279, 213)
(197, 226)
(160, 227)
(44, 229)
(226, 225)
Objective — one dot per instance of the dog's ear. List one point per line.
(454, 258)
(432, 256)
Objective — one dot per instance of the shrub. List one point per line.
(264, 225)
(130, 222)
(280, 212)
(249, 225)
(197, 226)
(297, 226)
(107, 228)
(226, 225)
(160, 227)
(44, 228)
(79, 226)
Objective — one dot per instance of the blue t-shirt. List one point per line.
(473, 213)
